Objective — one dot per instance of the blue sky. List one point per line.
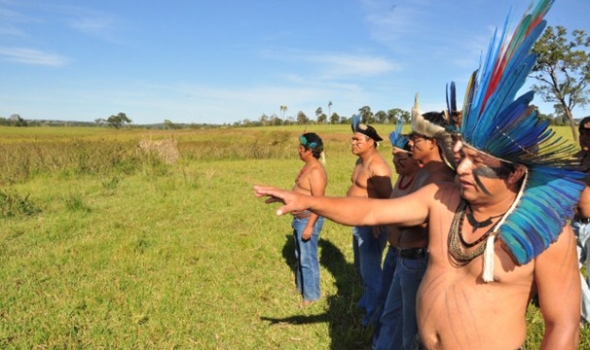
(222, 61)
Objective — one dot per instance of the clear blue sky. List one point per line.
(222, 61)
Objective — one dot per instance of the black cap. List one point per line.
(369, 131)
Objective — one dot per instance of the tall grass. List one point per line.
(107, 247)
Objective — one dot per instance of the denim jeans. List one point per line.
(398, 321)
(368, 253)
(386, 279)
(582, 232)
(306, 253)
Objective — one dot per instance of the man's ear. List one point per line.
(517, 174)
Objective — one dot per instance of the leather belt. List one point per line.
(302, 215)
(581, 219)
(411, 253)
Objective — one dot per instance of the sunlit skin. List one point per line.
(456, 309)
(371, 176)
(311, 180)
(421, 148)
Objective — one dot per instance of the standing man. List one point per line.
(406, 167)
(581, 221)
(311, 180)
(514, 173)
(431, 147)
(371, 178)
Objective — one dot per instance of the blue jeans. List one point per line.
(387, 277)
(582, 232)
(368, 253)
(398, 321)
(306, 253)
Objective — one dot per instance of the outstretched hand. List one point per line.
(292, 201)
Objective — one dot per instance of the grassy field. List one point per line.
(105, 247)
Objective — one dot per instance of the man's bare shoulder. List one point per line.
(432, 177)
(442, 192)
(379, 166)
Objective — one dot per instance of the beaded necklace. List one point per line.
(456, 239)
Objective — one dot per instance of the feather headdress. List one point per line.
(453, 115)
(397, 139)
(498, 123)
(421, 125)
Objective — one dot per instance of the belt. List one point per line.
(411, 253)
(581, 219)
(302, 215)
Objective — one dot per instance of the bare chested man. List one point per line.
(514, 172)
(398, 325)
(311, 180)
(371, 178)
(581, 221)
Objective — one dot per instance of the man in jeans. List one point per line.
(371, 178)
(398, 325)
(311, 180)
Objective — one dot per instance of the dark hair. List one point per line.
(437, 118)
(311, 138)
(582, 122)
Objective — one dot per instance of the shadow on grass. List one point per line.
(342, 315)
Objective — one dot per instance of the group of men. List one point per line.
(479, 228)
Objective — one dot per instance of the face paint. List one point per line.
(501, 172)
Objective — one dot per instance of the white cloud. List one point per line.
(33, 57)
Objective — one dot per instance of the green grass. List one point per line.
(122, 251)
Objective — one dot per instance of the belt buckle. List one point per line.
(411, 253)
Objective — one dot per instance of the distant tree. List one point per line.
(395, 114)
(168, 124)
(366, 115)
(117, 121)
(563, 70)
(381, 117)
(318, 112)
(100, 121)
(283, 110)
(322, 118)
(16, 120)
(334, 118)
(548, 117)
(275, 120)
(329, 109)
(302, 118)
